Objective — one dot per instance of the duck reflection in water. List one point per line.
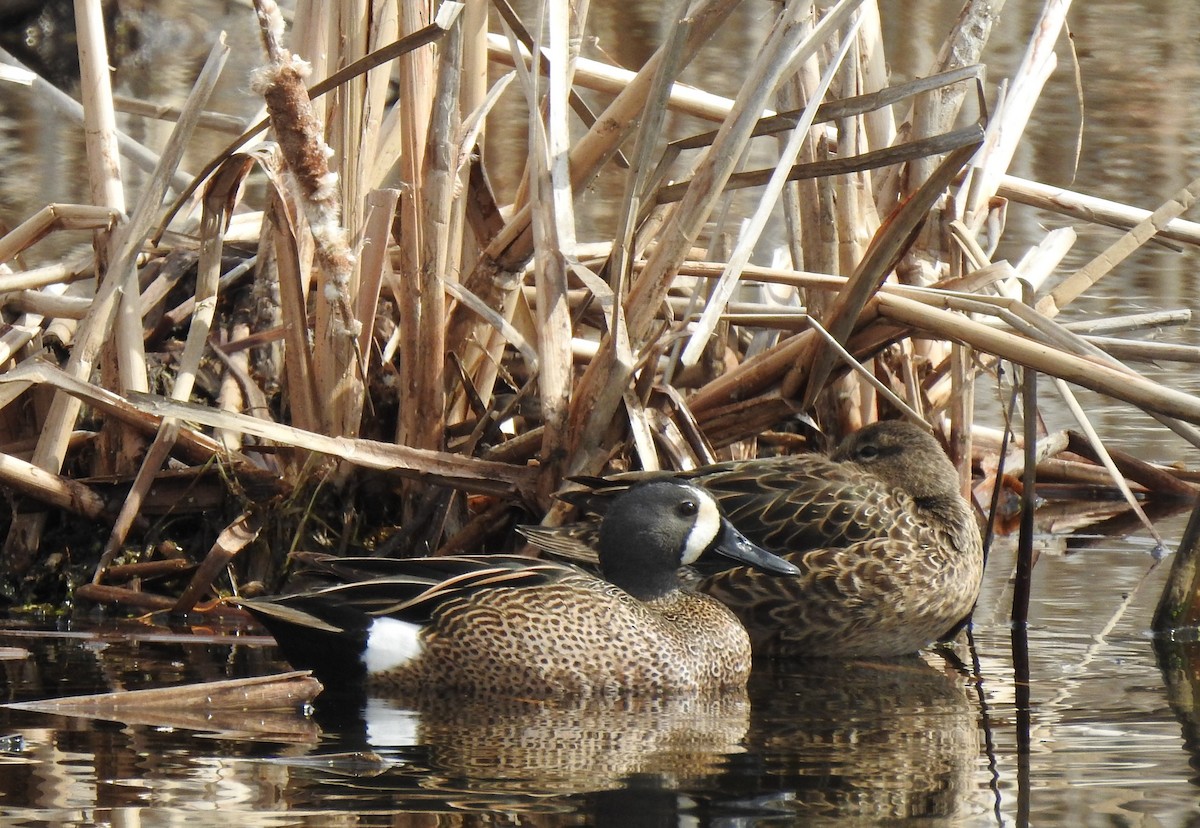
(883, 740)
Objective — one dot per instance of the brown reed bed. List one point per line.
(372, 351)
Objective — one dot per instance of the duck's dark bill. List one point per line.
(733, 544)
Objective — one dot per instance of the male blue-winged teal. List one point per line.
(500, 625)
(890, 550)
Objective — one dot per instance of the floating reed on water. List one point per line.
(373, 338)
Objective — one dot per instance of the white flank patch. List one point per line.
(704, 532)
(390, 644)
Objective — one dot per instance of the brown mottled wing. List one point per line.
(792, 504)
(881, 596)
(785, 504)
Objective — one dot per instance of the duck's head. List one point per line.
(905, 457)
(654, 528)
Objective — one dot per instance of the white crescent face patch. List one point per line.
(391, 643)
(705, 529)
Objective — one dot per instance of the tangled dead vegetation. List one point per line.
(367, 349)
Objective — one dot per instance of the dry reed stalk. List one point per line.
(602, 77)
(1088, 208)
(75, 268)
(356, 106)
(1074, 285)
(1100, 326)
(1164, 480)
(1122, 384)
(238, 391)
(219, 200)
(52, 489)
(373, 262)
(421, 407)
(440, 211)
(131, 599)
(233, 539)
(208, 120)
(936, 113)
(1145, 351)
(1008, 123)
(474, 84)
(288, 691)
(727, 282)
(50, 219)
(193, 447)
(554, 238)
(25, 533)
(1094, 441)
(51, 301)
(336, 373)
(492, 278)
(166, 567)
(293, 295)
(19, 333)
(100, 122)
(879, 124)
(595, 401)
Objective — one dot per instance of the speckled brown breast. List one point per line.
(578, 636)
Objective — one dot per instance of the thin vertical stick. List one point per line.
(554, 236)
(373, 261)
(962, 412)
(100, 124)
(1023, 581)
(416, 90)
(436, 196)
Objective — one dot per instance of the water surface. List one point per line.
(1103, 733)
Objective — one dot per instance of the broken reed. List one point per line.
(400, 315)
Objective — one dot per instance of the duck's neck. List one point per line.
(643, 585)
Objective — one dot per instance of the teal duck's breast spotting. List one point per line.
(889, 550)
(499, 625)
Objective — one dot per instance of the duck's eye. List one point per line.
(868, 452)
(688, 508)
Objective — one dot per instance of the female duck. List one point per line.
(500, 625)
